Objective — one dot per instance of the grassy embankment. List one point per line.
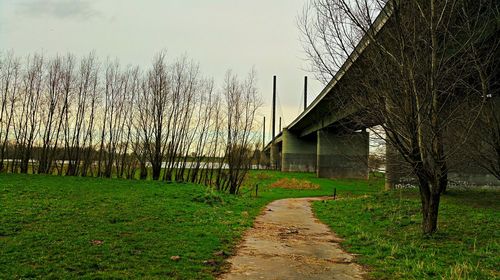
(69, 227)
(384, 229)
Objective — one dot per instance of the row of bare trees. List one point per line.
(87, 118)
(426, 71)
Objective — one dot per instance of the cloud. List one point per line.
(77, 9)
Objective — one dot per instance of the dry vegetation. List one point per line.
(295, 184)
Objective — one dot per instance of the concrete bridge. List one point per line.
(325, 138)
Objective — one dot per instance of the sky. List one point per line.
(218, 34)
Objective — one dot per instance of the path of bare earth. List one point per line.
(288, 242)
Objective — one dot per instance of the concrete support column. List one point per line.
(298, 154)
(392, 176)
(342, 156)
(397, 170)
(274, 157)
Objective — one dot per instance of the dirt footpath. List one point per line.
(288, 242)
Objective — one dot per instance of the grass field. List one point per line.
(68, 227)
(385, 230)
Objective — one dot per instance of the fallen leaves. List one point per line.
(96, 242)
(175, 258)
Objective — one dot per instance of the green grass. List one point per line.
(384, 229)
(68, 227)
(52, 227)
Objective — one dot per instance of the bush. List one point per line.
(210, 197)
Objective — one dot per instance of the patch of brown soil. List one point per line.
(295, 184)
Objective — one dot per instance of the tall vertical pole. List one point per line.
(279, 126)
(274, 107)
(264, 134)
(305, 93)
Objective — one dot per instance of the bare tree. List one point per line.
(409, 71)
(92, 100)
(215, 148)
(54, 110)
(26, 123)
(79, 115)
(202, 133)
(153, 105)
(78, 119)
(67, 88)
(241, 103)
(10, 70)
(186, 87)
(125, 165)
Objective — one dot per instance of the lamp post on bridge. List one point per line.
(305, 92)
(274, 149)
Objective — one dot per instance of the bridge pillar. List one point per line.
(397, 170)
(391, 160)
(274, 157)
(342, 156)
(298, 154)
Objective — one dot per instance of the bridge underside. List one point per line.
(327, 152)
(329, 136)
(333, 152)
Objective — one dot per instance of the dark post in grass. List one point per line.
(256, 190)
(334, 193)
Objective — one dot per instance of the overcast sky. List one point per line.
(219, 34)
